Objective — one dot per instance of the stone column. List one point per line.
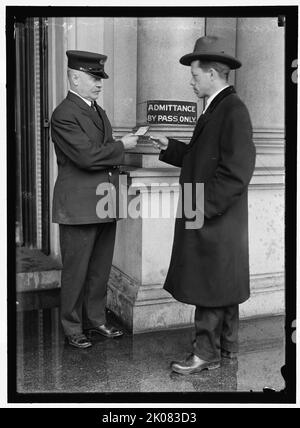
(225, 28)
(260, 81)
(143, 245)
(120, 44)
(57, 39)
(65, 34)
(259, 44)
(86, 34)
(160, 44)
(260, 84)
(114, 37)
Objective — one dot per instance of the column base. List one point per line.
(144, 308)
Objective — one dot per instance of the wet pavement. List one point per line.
(141, 363)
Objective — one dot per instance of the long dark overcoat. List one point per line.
(86, 154)
(210, 266)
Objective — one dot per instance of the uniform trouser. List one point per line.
(216, 329)
(87, 252)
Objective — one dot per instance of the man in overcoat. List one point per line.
(209, 266)
(88, 159)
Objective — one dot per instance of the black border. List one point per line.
(288, 395)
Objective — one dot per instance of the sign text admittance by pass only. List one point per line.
(172, 112)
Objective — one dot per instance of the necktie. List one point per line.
(94, 108)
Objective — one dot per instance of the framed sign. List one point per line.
(171, 112)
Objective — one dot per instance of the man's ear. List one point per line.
(213, 74)
(75, 78)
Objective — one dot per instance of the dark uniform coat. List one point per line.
(210, 266)
(86, 156)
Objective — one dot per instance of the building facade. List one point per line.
(143, 65)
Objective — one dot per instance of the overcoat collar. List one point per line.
(204, 118)
(96, 116)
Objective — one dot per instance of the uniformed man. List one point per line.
(87, 157)
(209, 266)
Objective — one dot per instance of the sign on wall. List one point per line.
(172, 112)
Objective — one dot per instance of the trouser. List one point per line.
(216, 329)
(87, 252)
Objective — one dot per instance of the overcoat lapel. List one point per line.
(204, 118)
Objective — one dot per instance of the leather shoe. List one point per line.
(194, 364)
(106, 330)
(78, 341)
(229, 355)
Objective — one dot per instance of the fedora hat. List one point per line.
(89, 62)
(210, 48)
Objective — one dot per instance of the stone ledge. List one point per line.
(28, 260)
(36, 271)
(36, 281)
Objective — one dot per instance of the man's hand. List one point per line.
(129, 141)
(160, 141)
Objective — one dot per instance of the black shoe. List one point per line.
(78, 341)
(193, 364)
(229, 355)
(106, 330)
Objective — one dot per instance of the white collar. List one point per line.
(209, 100)
(89, 103)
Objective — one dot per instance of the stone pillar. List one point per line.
(142, 255)
(143, 245)
(259, 44)
(64, 34)
(260, 81)
(160, 44)
(114, 37)
(57, 39)
(86, 34)
(120, 44)
(260, 84)
(225, 28)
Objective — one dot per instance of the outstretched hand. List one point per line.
(129, 141)
(160, 141)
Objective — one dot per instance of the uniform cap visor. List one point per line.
(101, 74)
